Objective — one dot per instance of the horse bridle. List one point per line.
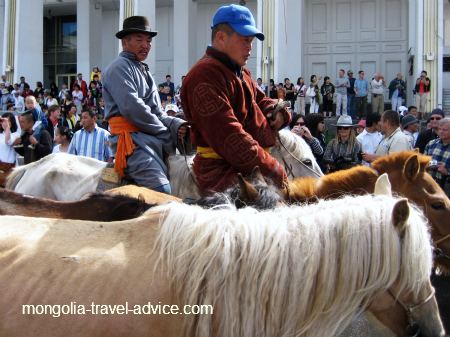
(438, 253)
(412, 327)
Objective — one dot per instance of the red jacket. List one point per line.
(228, 114)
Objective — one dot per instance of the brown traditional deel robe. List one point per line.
(228, 114)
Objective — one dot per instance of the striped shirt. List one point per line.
(91, 144)
(441, 153)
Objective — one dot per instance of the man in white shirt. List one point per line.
(378, 86)
(371, 136)
(394, 139)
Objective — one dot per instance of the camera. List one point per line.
(433, 164)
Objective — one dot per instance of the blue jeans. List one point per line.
(163, 189)
(351, 105)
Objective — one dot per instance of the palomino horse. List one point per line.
(68, 178)
(297, 271)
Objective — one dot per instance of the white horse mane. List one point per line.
(297, 271)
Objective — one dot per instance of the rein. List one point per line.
(289, 168)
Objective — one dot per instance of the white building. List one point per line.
(53, 40)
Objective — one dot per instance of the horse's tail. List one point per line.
(14, 177)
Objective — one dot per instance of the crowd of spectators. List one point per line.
(62, 119)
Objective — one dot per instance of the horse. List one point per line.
(407, 172)
(291, 271)
(97, 206)
(66, 177)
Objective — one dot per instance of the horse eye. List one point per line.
(438, 206)
(307, 162)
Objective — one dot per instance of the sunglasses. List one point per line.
(343, 127)
(435, 118)
(300, 123)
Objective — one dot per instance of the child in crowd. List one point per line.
(39, 116)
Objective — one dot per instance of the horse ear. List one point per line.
(400, 215)
(383, 185)
(412, 167)
(247, 191)
(257, 175)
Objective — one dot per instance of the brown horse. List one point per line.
(409, 178)
(97, 206)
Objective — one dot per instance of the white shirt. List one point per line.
(51, 102)
(7, 153)
(369, 142)
(377, 87)
(19, 103)
(396, 142)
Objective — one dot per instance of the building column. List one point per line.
(29, 41)
(432, 38)
(3, 35)
(184, 38)
(147, 8)
(288, 39)
(83, 39)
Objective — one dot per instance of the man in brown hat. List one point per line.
(141, 133)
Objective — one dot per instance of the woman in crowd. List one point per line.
(298, 126)
(66, 103)
(344, 150)
(327, 91)
(9, 132)
(78, 97)
(316, 125)
(313, 93)
(273, 93)
(300, 91)
(39, 89)
(54, 90)
(63, 136)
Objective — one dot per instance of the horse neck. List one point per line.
(357, 180)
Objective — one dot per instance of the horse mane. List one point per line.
(334, 184)
(182, 178)
(14, 177)
(297, 271)
(397, 160)
(268, 197)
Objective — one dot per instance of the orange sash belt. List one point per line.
(121, 127)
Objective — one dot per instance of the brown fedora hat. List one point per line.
(135, 24)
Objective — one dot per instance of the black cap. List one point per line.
(135, 24)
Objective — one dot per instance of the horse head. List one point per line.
(296, 156)
(409, 177)
(414, 308)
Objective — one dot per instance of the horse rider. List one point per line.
(142, 135)
(233, 122)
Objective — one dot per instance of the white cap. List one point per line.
(172, 107)
(402, 109)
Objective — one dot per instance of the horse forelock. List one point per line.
(229, 258)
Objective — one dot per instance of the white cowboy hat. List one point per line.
(345, 121)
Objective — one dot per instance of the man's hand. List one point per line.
(369, 157)
(278, 121)
(33, 140)
(441, 168)
(182, 131)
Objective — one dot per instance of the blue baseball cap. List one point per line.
(239, 18)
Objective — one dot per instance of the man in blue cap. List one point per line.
(233, 122)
